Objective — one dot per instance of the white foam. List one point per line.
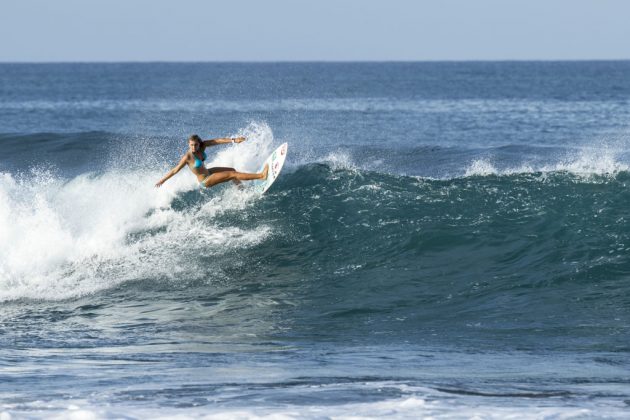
(340, 160)
(60, 239)
(248, 155)
(603, 160)
(406, 407)
(480, 167)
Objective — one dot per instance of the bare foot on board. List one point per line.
(265, 172)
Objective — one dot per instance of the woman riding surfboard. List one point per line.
(208, 177)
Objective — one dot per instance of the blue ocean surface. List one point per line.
(446, 240)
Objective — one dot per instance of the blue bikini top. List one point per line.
(199, 162)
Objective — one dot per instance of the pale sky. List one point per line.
(317, 30)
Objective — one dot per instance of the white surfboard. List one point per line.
(275, 162)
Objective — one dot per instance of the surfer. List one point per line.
(209, 177)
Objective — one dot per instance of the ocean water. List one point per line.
(446, 240)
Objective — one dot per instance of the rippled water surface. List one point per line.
(446, 240)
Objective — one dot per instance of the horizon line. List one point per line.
(554, 60)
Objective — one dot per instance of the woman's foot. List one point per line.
(265, 172)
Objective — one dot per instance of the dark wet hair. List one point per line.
(195, 138)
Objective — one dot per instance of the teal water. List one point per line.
(446, 239)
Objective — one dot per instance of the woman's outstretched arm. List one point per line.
(173, 171)
(223, 140)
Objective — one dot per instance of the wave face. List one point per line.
(443, 239)
(501, 248)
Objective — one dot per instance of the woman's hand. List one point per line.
(239, 139)
(159, 183)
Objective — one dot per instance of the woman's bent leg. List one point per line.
(219, 175)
